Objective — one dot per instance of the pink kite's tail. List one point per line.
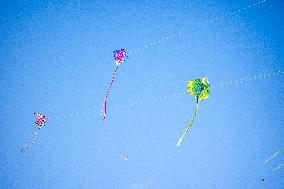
(104, 105)
(108, 91)
(30, 143)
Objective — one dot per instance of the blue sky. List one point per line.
(56, 58)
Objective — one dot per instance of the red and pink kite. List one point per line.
(119, 56)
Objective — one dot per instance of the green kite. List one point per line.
(200, 88)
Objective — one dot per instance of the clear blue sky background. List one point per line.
(56, 58)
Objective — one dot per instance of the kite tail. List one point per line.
(270, 158)
(29, 143)
(105, 111)
(277, 168)
(187, 128)
(108, 91)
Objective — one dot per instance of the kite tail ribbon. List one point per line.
(187, 128)
(28, 144)
(108, 91)
(277, 168)
(105, 111)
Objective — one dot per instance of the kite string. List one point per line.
(204, 24)
(246, 79)
(163, 98)
(249, 6)
(28, 144)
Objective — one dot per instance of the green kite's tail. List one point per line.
(187, 128)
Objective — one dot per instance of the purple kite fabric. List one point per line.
(41, 119)
(119, 56)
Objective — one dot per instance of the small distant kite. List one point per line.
(119, 56)
(201, 90)
(40, 123)
(125, 158)
(40, 120)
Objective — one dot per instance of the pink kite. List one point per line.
(40, 123)
(119, 56)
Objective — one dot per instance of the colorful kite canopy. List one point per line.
(40, 123)
(201, 90)
(119, 56)
(40, 120)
